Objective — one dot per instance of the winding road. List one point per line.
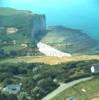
(64, 86)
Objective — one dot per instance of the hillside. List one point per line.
(21, 20)
(17, 19)
(68, 40)
(18, 29)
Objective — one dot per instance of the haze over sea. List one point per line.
(79, 14)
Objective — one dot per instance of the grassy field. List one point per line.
(9, 48)
(88, 90)
(49, 60)
(17, 46)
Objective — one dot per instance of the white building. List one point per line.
(50, 51)
(95, 69)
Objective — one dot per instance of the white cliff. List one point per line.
(50, 51)
(39, 27)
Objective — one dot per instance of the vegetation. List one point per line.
(21, 21)
(5, 97)
(48, 60)
(18, 21)
(43, 76)
(38, 79)
(16, 18)
(35, 85)
(88, 90)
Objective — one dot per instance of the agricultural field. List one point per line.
(49, 60)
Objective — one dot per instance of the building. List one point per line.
(95, 69)
(12, 89)
(11, 30)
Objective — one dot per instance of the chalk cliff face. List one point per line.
(50, 51)
(38, 27)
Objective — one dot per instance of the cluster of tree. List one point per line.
(30, 50)
(44, 86)
(4, 54)
(8, 97)
(39, 79)
(2, 30)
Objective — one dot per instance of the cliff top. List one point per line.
(6, 11)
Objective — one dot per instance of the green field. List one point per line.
(91, 91)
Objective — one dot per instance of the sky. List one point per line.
(80, 14)
(55, 8)
(43, 5)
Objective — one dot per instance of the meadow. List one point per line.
(88, 90)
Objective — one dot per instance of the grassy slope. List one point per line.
(17, 18)
(7, 11)
(19, 40)
(50, 60)
(91, 87)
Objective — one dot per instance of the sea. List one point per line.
(77, 14)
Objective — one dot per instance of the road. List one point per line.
(64, 86)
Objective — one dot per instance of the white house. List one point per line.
(95, 68)
(50, 51)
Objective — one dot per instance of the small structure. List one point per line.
(11, 30)
(24, 45)
(29, 53)
(14, 42)
(12, 89)
(83, 90)
(95, 69)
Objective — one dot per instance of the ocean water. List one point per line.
(78, 14)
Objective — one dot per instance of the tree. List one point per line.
(22, 96)
(3, 97)
(12, 97)
(13, 53)
(7, 81)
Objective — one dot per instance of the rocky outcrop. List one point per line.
(68, 40)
